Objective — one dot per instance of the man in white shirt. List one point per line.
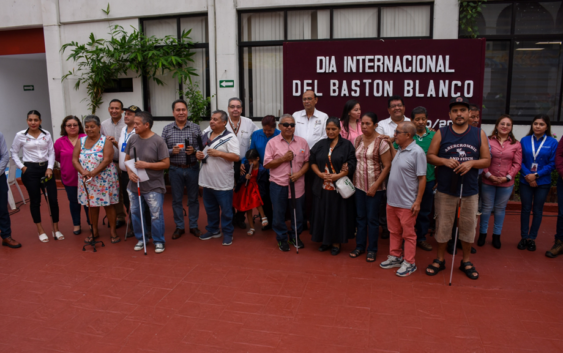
(111, 128)
(387, 127)
(242, 128)
(310, 124)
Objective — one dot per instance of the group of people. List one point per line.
(402, 176)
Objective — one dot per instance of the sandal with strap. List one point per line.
(356, 253)
(470, 272)
(264, 221)
(251, 232)
(441, 267)
(115, 240)
(370, 256)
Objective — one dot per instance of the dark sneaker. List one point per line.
(482, 238)
(556, 250)
(523, 244)
(227, 240)
(210, 235)
(283, 245)
(531, 245)
(300, 244)
(496, 241)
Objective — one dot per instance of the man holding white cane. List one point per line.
(458, 151)
(152, 158)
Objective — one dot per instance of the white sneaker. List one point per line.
(139, 246)
(406, 269)
(158, 248)
(391, 262)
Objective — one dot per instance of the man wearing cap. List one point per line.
(181, 136)
(126, 133)
(111, 128)
(458, 151)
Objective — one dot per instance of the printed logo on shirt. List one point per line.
(461, 152)
(302, 151)
(318, 122)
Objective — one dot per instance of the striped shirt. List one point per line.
(369, 166)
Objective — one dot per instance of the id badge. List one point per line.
(534, 167)
(123, 145)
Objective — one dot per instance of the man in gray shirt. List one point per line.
(405, 189)
(111, 129)
(5, 225)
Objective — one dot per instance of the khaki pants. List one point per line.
(446, 209)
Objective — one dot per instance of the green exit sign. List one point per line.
(28, 88)
(227, 83)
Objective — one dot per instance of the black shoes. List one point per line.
(482, 237)
(496, 241)
(325, 247)
(531, 245)
(335, 250)
(283, 245)
(300, 244)
(523, 244)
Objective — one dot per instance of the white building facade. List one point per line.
(241, 41)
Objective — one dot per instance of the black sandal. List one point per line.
(469, 272)
(370, 257)
(441, 267)
(356, 253)
(115, 240)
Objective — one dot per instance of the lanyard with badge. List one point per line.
(534, 167)
(126, 137)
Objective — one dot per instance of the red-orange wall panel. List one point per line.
(22, 41)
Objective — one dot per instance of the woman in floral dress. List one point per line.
(93, 159)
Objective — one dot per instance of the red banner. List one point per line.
(424, 72)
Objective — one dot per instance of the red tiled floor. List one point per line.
(250, 297)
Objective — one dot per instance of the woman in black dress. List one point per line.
(333, 220)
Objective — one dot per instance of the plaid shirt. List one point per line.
(173, 135)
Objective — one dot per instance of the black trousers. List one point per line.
(309, 197)
(5, 225)
(32, 181)
(238, 216)
(383, 211)
(268, 210)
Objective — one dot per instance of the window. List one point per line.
(524, 59)
(158, 99)
(261, 37)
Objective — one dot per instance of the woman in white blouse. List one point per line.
(37, 162)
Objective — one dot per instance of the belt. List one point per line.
(183, 165)
(40, 164)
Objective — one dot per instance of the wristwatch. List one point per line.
(508, 177)
(536, 174)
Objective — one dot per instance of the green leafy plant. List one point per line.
(101, 61)
(198, 105)
(468, 12)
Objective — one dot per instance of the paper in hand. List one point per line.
(141, 173)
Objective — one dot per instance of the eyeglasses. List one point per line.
(71, 125)
(397, 132)
(235, 106)
(288, 124)
(396, 106)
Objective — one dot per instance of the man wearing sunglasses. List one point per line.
(280, 150)
(310, 124)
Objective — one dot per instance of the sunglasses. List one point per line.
(288, 124)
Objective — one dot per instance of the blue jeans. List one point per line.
(367, 219)
(72, 194)
(423, 218)
(281, 204)
(5, 225)
(532, 199)
(559, 235)
(155, 201)
(494, 197)
(180, 178)
(219, 208)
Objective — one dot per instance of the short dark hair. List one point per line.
(419, 110)
(179, 101)
(118, 101)
(252, 154)
(333, 120)
(146, 117)
(224, 115)
(269, 120)
(394, 98)
(473, 106)
(66, 119)
(547, 122)
(372, 116)
(34, 112)
(310, 90)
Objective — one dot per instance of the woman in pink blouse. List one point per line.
(373, 155)
(71, 132)
(350, 125)
(498, 179)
